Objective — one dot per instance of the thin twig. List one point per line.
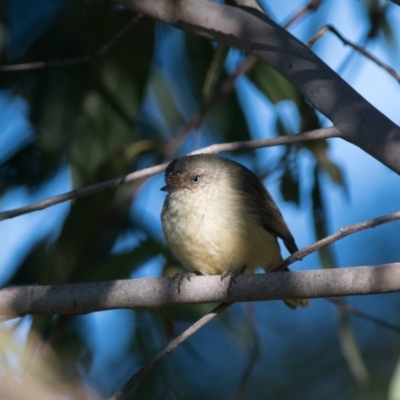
(146, 172)
(355, 46)
(85, 191)
(351, 310)
(343, 232)
(311, 6)
(323, 133)
(171, 346)
(76, 60)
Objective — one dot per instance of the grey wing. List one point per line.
(274, 222)
(268, 212)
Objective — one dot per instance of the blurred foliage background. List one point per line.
(115, 92)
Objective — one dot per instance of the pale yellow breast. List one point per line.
(210, 232)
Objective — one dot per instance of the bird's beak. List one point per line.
(170, 188)
(165, 188)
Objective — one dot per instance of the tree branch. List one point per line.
(146, 172)
(228, 84)
(360, 49)
(311, 6)
(138, 376)
(343, 232)
(81, 298)
(171, 346)
(249, 30)
(367, 317)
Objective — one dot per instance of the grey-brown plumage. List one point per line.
(219, 217)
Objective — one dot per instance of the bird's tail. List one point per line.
(293, 303)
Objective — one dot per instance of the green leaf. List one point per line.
(226, 120)
(289, 185)
(214, 71)
(229, 121)
(164, 93)
(273, 84)
(319, 149)
(320, 222)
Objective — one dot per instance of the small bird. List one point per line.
(218, 218)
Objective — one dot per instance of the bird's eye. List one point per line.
(195, 179)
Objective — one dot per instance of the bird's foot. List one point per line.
(232, 275)
(179, 278)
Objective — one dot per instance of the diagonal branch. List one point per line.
(250, 30)
(228, 84)
(343, 232)
(311, 6)
(360, 49)
(367, 317)
(171, 346)
(146, 172)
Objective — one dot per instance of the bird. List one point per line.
(219, 219)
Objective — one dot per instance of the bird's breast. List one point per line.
(212, 233)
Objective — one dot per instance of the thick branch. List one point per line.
(247, 29)
(83, 298)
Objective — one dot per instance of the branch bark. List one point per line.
(81, 298)
(250, 30)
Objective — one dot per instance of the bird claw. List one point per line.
(233, 275)
(179, 277)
